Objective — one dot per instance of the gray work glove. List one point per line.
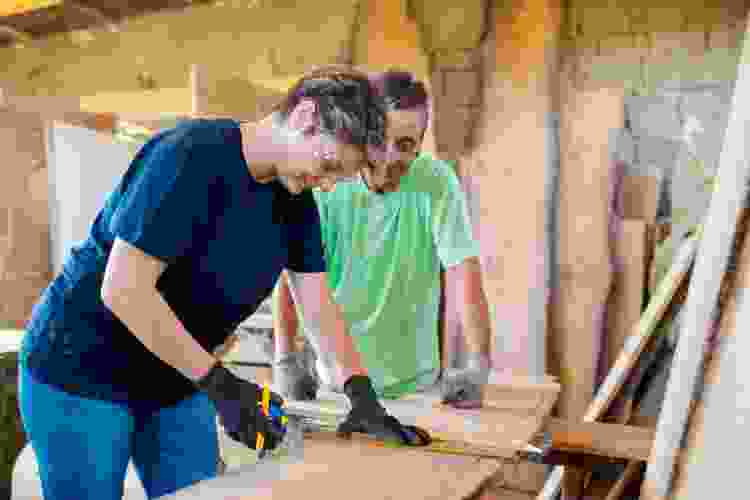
(463, 388)
(291, 379)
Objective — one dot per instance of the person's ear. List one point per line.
(303, 116)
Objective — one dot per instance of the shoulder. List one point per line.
(202, 134)
(428, 168)
(344, 192)
(195, 148)
(432, 175)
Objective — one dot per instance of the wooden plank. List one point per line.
(609, 440)
(598, 488)
(640, 197)
(631, 351)
(337, 468)
(729, 194)
(626, 298)
(630, 472)
(588, 119)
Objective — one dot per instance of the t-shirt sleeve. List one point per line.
(451, 226)
(306, 244)
(165, 205)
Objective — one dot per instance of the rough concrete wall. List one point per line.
(679, 65)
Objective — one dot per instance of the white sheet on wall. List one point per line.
(84, 166)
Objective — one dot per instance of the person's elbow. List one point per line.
(130, 275)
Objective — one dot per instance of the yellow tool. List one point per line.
(265, 403)
(273, 412)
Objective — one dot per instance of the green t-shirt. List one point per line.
(384, 254)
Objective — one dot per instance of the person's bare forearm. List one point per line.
(285, 324)
(129, 291)
(472, 304)
(326, 321)
(148, 316)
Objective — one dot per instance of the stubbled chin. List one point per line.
(390, 187)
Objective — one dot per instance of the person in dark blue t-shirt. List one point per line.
(116, 362)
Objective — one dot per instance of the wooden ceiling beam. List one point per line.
(96, 14)
(18, 36)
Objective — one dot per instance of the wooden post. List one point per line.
(200, 87)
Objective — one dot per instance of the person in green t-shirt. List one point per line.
(386, 239)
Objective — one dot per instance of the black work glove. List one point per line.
(236, 402)
(368, 416)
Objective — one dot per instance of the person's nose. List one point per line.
(392, 155)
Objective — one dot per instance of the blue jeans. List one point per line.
(83, 446)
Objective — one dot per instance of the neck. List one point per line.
(263, 149)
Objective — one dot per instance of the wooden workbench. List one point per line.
(336, 468)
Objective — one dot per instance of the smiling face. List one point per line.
(327, 161)
(403, 140)
(311, 158)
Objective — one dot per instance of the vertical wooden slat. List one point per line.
(199, 86)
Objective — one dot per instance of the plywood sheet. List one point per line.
(340, 469)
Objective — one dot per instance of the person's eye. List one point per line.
(330, 167)
(406, 145)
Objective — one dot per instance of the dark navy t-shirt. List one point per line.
(189, 200)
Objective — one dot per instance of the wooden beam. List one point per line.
(94, 13)
(596, 438)
(63, 109)
(199, 86)
(15, 7)
(730, 193)
(19, 36)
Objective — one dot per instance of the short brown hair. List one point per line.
(400, 90)
(349, 107)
